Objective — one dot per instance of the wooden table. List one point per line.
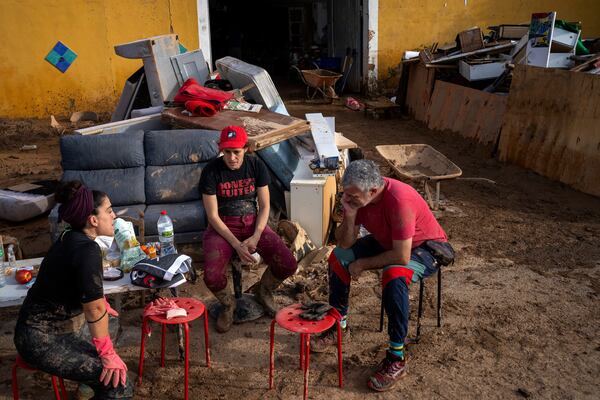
(264, 128)
(14, 293)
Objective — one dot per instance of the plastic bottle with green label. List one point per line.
(166, 234)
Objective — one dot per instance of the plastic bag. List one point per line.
(131, 252)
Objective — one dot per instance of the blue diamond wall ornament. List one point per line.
(61, 57)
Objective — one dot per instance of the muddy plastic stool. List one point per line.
(20, 363)
(289, 319)
(194, 309)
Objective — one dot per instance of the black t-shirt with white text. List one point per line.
(235, 189)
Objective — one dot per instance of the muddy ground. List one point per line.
(520, 306)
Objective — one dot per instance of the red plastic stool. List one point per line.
(194, 309)
(20, 363)
(289, 319)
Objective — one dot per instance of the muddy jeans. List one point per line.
(218, 252)
(66, 355)
(395, 281)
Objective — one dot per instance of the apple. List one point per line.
(23, 276)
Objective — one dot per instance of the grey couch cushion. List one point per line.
(173, 183)
(123, 186)
(132, 210)
(180, 146)
(187, 217)
(124, 150)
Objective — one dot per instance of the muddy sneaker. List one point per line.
(388, 373)
(327, 341)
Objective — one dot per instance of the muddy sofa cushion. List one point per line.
(109, 151)
(123, 186)
(173, 183)
(187, 217)
(180, 146)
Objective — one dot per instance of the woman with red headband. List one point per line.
(67, 292)
(231, 187)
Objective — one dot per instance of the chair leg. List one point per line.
(142, 346)
(206, 345)
(381, 315)
(55, 387)
(186, 330)
(63, 390)
(306, 365)
(421, 286)
(15, 385)
(439, 298)
(302, 341)
(272, 354)
(339, 351)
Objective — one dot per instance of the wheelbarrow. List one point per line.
(421, 163)
(319, 81)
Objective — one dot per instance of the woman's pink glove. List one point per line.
(111, 311)
(115, 369)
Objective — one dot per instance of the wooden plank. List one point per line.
(469, 112)
(420, 87)
(264, 128)
(552, 126)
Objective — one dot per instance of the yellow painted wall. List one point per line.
(31, 87)
(411, 24)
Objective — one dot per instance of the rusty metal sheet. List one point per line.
(469, 112)
(420, 87)
(552, 126)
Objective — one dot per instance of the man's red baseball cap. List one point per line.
(233, 137)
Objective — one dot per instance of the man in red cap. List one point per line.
(236, 198)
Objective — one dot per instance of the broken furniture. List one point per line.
(194, 310)
(144, 168)
(550, 46)
(27, 200)
(164, 71)
(319, 81)
(20, 363)
(421, 163)
(264, 128)
(381, 106)
(242, 74)
(289, 318)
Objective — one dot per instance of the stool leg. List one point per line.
(142, 347)
(63, 390)
(339, 351)
(302, 341)
(162, 344)
(15, 385)
(55, 387)
(186, 331)
(307, 365)
(420, 311)
(206, 348)
(439, 298)
(272, 354)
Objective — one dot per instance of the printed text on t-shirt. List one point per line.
(240, 187)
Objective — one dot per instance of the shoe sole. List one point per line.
(388, 388)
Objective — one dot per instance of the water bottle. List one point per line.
(2, 271)
(166, 235)
(10, 254)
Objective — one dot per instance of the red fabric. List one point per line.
(399, 215)
(392, 273)
(201, 108)
(338, 269)
(191, 90)
(233, 137)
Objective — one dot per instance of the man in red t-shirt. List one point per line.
(400, 223)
